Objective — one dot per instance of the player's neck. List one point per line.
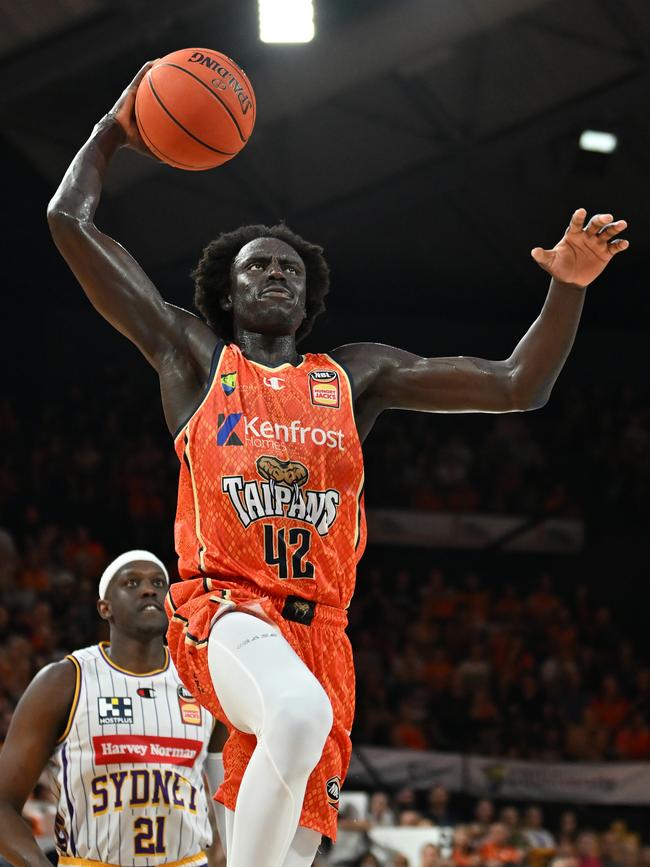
(136, 655)
(267, 349)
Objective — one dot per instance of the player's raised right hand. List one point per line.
(123, 112)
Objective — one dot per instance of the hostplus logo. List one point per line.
(234, 428)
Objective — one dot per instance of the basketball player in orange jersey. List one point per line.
(124, 743)
(270, 520)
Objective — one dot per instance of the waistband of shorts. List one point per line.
(197, 860)
(289, 606)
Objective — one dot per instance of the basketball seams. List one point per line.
(179, 124)
(162, 155)
(212, 93)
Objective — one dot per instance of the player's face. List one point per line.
(135, 600)
(267, 288)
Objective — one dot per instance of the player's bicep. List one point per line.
(38, 722)
(455, 384)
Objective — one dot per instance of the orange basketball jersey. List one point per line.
(271, 480)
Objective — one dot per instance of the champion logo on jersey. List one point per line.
(146, 692)
(229, 382)
(274, 382)
(333, 789)
(324, 388)
(115, 710)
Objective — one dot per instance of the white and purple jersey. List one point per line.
(128, 770)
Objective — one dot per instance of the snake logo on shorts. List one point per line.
(333, 789)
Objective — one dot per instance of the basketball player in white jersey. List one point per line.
(125, 743)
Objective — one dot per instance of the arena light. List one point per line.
(286, 20)
(598, 142)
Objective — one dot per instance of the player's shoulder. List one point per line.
(84, 654)
(362, 362)
(55, 684)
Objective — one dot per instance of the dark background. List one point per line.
(427, 145)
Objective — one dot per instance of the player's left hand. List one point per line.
(585, 250)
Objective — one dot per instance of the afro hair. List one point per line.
(212, 276)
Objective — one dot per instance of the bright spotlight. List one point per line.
(598, 142)
(286, 20)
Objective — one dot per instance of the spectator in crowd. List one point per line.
(464, 852)
(534, 833)
(367, 860)
(429, 856)
(482, 819)
(633, 739)
(379, 810)
(568, 829)
(495, 851)
(588, 850)
(438, 811)
(509, 817)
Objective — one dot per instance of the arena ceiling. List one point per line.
(428, 144)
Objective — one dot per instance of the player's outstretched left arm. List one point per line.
(385, 377)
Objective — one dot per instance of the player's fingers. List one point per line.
(542, 257)
(598, 222)
(612, 229)
(617, 245)
(141, 73)
(577, 221)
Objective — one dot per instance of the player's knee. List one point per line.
(297, 729)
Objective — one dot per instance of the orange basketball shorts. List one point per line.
(322, 645)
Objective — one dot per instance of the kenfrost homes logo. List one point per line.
(234, 427)
(281, 494)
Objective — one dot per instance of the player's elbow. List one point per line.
(524, 397)
(526, 401)
(59, 219)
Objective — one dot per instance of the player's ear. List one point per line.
(225, 301)
(104, 609)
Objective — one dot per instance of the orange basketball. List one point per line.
(195, 109)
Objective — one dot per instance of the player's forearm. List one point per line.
(80, 190)
(17, 843)
(539, 356)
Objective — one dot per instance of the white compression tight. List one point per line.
(266, 690)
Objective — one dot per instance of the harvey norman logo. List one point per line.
(140, 749)
(234, 427)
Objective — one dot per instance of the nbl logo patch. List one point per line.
(333, 790)
(189, 707)
(115, 710)
(324, 388)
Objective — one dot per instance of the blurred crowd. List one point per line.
(520, 671)
(486, 835)
(99, 455)
(587, 453)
